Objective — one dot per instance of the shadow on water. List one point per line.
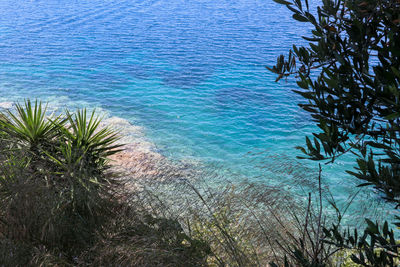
(241, 97)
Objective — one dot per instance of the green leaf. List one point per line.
(303, 84)
(307, 95)
(396, 71)
(393, 116)
(385, 228)
(311, 39)
(309, 144)
(332, 83)
(301, 149)
(298, 3)
(372, 227)
(282, 2)
(300, 18)
(317, 145)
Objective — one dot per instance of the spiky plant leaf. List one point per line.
(87, 136)
(29, 124)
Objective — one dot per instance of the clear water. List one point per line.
(192, 73)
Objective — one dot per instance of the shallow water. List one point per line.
(190, 73)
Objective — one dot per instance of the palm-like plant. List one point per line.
(57, 194)
(81, 157)
(29, 125)
(85, 137)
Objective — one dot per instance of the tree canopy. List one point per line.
(349, 75)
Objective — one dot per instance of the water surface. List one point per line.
(192, 73)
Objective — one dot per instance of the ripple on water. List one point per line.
(185, 79)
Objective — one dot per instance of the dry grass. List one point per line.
(248, 224)
(59, 210)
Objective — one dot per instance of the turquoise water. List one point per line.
(191, 73)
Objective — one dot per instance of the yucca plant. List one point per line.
(60, 195)
(81, 160)
(89, 143)
(30, 125)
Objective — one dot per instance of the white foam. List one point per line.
(133, 135)
(6, 105)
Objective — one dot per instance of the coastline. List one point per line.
(141, 162)
(138, 155)
(139, 158)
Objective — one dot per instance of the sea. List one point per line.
(189, 75)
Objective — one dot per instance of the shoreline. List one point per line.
(140, 161)
(139, 158)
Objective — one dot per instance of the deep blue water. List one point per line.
(192, 73)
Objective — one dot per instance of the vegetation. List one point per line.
(60, 205)
(349, 76)
(244, 225)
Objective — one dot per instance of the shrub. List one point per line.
(60, 205)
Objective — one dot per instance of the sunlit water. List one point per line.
(191, 73)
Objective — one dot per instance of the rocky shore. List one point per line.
(139, 158)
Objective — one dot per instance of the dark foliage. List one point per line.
(376, 246)
(349, 76)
